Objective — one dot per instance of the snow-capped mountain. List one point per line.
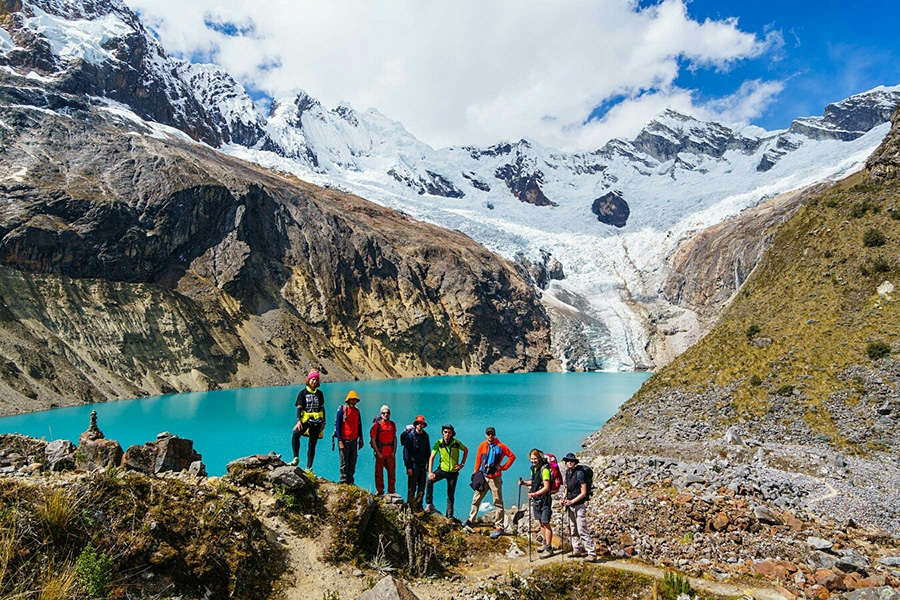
(608, 218)
(594, 228)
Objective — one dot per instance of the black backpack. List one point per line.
(404, 435)
(588, 478)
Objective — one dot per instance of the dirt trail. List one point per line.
(309, 577)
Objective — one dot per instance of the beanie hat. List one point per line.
(313, 374)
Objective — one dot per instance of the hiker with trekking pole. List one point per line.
(579, 481)
(541, 500)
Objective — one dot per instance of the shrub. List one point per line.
(873, 238)
(785, 390)
(752, 331)
(94, 571)
(876, 350)
(880, 265)
(860, 209)
(755, 380)
(894, 213)
(58, 514)
(831, 203)
(673, 585)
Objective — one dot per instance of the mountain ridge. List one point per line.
(678, 176)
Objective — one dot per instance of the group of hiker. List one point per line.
(491, 459)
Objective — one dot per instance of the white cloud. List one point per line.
(470, 71)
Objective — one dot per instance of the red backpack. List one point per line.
(556, 478)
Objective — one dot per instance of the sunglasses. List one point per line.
(385, 412)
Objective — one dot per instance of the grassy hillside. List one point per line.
(811, 309)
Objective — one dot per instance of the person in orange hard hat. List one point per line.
(348, 433)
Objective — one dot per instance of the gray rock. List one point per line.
(197, 469)
(292, 478)
(767, 515)
(877, 593)
(819, 544)
(389, 589)
(60, 455)
(821, 560)
(853, 562)
(890, 561)
(733, 438)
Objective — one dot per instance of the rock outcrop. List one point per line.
(134, 263)
(611, 209)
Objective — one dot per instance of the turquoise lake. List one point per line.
(550, 411)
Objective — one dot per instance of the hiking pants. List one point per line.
(314, 431)
(415, 487)
(495, 487)
(578, 530)
(348, 461)
(451, 477)
(381, 463)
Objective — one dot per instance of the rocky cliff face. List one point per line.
(137, 262)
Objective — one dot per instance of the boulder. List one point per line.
(767, 515)
(95, 451)
(140, 458)
(174, 454)
(167, 453)
(60, 455)
(879, 593)
(818, 543)
(389, 588)
(292, 478)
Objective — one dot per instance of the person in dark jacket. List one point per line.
(416, 450)
(348, 433)
(576, 509)
(310, 405)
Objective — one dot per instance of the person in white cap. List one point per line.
(383, 439)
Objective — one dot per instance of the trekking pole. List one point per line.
(562, 534)
(518, 508)
(529, 531)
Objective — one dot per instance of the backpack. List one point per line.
(588, 478)
(556, 478)
(404, 435)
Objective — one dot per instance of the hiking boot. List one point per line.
(578, 554)
(496, 533)
(429, 508)
(591, 558)
(294, 462)
(545, 552)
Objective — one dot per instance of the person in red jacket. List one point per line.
(493, 458)
(383, 439)
(348, 432)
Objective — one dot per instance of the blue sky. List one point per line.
(569, 74)
(831, 50)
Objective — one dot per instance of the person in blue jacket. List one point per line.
(416, 452)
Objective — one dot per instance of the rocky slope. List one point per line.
(789, 402)
(135, 262)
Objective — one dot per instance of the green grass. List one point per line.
(814, 295)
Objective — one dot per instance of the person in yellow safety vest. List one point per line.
(449, 465)
(310, 405)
